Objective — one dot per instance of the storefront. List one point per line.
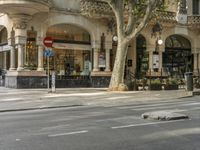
(71, 58)
(177, 58)
(142, 57)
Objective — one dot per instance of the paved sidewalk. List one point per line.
(30, 99)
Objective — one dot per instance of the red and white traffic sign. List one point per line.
(48, 41)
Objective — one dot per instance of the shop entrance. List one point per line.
(142, 57)
(72, 55)
(177, 58)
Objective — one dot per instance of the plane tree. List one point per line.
(131, 17)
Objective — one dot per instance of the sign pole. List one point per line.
(48, 43)
(48, 73)
(53, 82)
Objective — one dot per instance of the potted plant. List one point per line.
(155, 84)
(197, 82)
(171, 84)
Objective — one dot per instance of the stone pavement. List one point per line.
(30, 99)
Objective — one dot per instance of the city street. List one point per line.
(99, 75)
(102, 127)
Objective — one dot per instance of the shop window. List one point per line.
(142, 57)
(31, 52)
(177, 58)
(195, 7)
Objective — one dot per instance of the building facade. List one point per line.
(84, 43)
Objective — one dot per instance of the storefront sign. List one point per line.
(72, 46)
(102, 60)
(155, 61)
(5, 48)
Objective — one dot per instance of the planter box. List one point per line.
(155, 87)
(197, 86)
(132, 86)
(171, 87)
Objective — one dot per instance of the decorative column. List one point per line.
(5, 60)
(108, 47)
(195, 69)
(40, 55)
(150, 49)
(11, 43)
(20, 24)
(20, 57)
(161, 49)
(95, 59)
(107, 60)
(12, 58)
(150, 61)
(160, 61)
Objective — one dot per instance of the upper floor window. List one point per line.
(182, 7)
(195, 7)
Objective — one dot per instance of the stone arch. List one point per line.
(177, 57)
(78, 21)
(3, 34)
(6, 22)
(177, 41)
(66, 31)
(72, 49)
(4, 57)
(190, 39)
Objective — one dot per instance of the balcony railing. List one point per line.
(95, 9)
(167, 16)
(194, 20)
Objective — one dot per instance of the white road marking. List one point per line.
(56, 127)
(118, 97)
(167, 106)
(11, 99)
(75, 94)
(155, 105)
(145, 124)
(69, 133)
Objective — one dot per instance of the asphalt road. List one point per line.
(102, 128)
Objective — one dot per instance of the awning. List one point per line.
(5, 48)
(72, 46)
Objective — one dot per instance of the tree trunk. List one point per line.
(117, 78)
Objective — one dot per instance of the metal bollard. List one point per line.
(189, 81)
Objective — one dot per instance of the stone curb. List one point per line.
(39, 108)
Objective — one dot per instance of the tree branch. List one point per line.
(151, 6)
(130, 17)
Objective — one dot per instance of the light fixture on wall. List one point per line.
(115, 38)
(160, 42)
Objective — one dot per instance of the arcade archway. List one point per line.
(177, 58)
(72, 50)
(4, 49)
(142, 57)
